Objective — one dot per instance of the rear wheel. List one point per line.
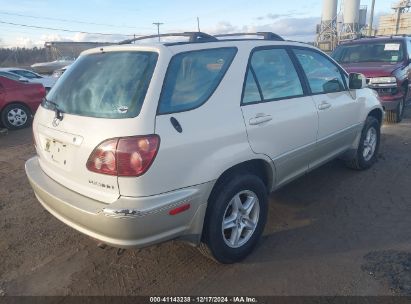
(16, 116)
(235, 219)
(367, 150)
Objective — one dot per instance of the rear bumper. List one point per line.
(127, 222)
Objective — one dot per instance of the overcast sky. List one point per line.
(293, 19)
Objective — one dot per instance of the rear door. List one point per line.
(281, 120)
(339, 111)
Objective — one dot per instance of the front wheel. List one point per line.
(235, 219)
(367, 151)
(395, 116)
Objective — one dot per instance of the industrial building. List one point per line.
(340, 23)
(398, 23)
(348, 20)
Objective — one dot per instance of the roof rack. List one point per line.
(203, 37)
(265, 35)
(193, 37)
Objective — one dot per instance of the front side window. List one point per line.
(271, 75)
(105, 85)
(322, 74)
(192, 77)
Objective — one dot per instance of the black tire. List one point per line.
(360, 161)
(21, 116)
(215, 244)
(395, 116)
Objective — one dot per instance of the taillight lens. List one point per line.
(103, 158)
(130, 156)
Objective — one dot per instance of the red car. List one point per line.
(386, 62)
(18, 102)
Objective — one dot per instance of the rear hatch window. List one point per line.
(105, 85)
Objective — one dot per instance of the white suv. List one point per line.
(140, 144)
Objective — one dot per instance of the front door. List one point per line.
(338, 108)
(281, 120)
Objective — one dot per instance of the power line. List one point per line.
(68, 20)
(61, 29)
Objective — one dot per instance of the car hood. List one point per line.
(372, 69)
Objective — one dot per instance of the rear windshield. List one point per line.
(390, 51)
(106, 85)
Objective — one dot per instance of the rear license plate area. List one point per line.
(56, 150)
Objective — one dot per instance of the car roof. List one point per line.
(174, 48)
(375, 39)
(196, 41)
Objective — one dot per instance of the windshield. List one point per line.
(369, 52)
(106, 85)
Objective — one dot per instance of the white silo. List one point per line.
(329, 10)
(327, 30)
(351, 17)
(351, 11)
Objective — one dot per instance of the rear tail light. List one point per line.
(129, 156)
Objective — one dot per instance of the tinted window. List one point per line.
(192, 78)
(389, 51)
(275, 75)
(323, 75)
(110, 85)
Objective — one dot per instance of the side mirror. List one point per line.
(357, 81)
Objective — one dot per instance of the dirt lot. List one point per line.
(332, 232)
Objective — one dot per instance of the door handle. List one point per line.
(324, 105)
(260, 119)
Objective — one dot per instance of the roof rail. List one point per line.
(193, 37)
(265, 35)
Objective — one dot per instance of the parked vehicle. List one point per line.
(385, 61)
(18, 102)
(50, 67)
(57, 73)
(13, 76)
(140, 144)
(46, 81)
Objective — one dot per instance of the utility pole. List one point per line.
(371, 18)
(158, 28)
(198, 24)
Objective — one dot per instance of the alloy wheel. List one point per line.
(240, 218)
(370, 144)
(17, 117)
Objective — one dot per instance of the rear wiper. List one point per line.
(59, 113)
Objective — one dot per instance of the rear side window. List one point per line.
(322, 74)
(192, 78)
(271, 75)
(105, 85)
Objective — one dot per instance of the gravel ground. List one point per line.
(332, 232)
